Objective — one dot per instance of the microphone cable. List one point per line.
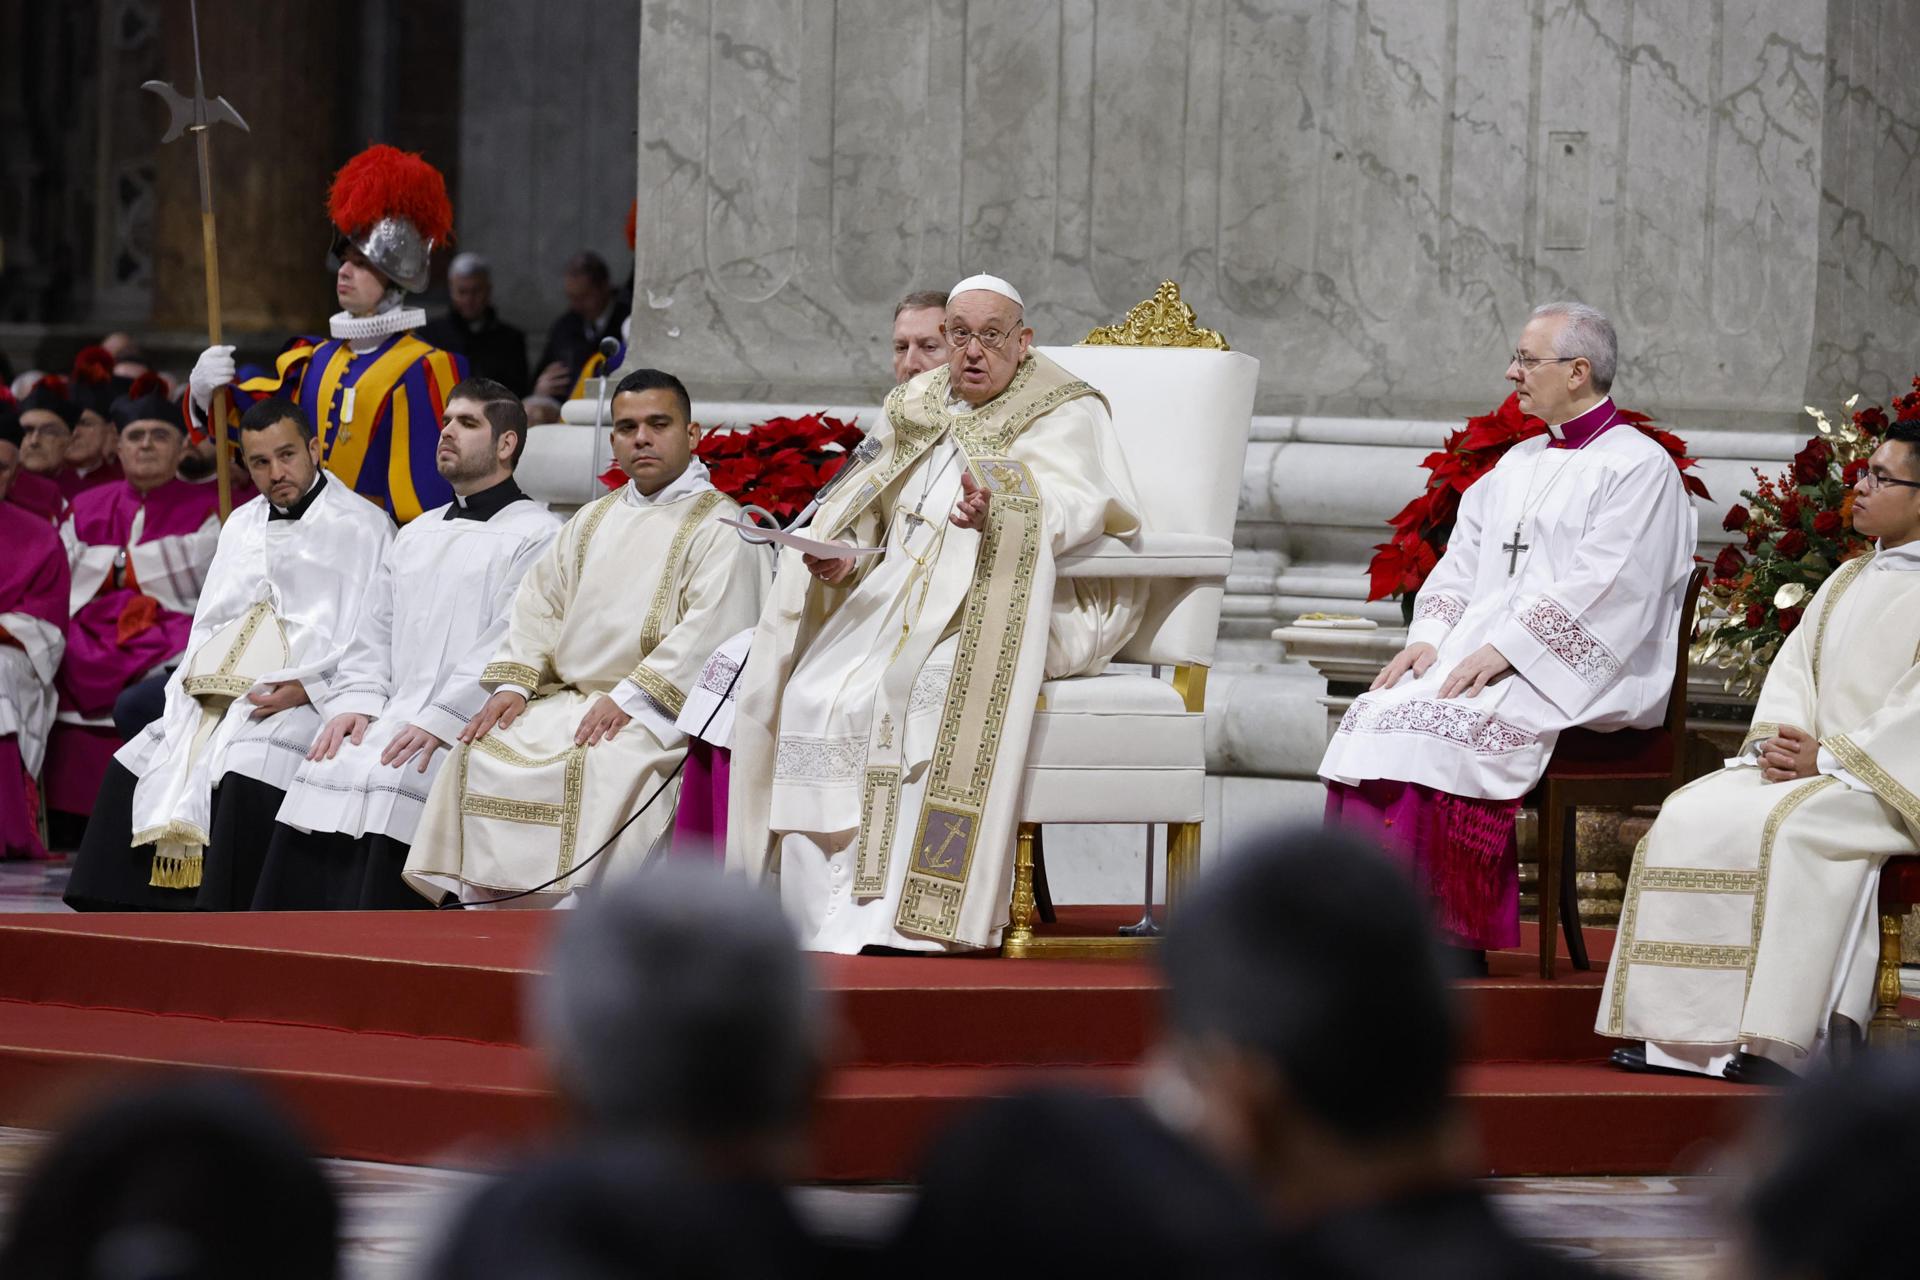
(456, 904)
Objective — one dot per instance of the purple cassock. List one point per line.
(138, 561)
(33, 616)
(39, 495)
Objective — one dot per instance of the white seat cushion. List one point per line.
(1150, 555)
(1115, 748)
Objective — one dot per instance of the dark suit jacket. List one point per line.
(493, 348)
(571, 342)
(626, 1211)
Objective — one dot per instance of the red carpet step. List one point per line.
(400, 1037)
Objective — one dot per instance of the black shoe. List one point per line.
(1633, 1058)
(1751, 1068)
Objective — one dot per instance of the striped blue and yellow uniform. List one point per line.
(377, 413)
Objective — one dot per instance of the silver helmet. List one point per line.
(395, 248)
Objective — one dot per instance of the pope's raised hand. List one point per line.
(501, 710)
(1415, 658)
(971, 511)
(335, 734)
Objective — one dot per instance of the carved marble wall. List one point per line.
(1367, 194)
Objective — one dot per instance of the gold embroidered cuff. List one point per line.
(657, 687)
(511, 673)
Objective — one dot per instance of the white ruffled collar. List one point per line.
(383, 323)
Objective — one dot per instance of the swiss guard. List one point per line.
(375, 391)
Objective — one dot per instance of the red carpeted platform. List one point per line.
(399, 1037)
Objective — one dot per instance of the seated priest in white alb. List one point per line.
(1749, 919)
(576, 751)
(410, 679)
(1556, 604)
(187, 808)
(881, 728)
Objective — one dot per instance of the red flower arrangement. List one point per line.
(778, 464)
(1796, 529)
(1401, 565)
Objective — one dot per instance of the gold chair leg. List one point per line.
(1887, 1028)
(1019, 940)
(1183, 859)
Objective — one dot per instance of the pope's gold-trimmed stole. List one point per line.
(993, 626)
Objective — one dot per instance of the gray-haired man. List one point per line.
(683, 1033)
(1556, 604)
(494, 349)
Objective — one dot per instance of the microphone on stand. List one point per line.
(608, 346)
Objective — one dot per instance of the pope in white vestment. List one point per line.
(882, 717)
(1556, 604)
(436, 612)
(1749, 914)
(280, 602)
(608, 631)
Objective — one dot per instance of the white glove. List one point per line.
(213, 370)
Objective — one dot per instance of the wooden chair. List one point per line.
(1620, 770)
(1899, 893)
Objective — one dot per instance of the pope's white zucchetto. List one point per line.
(992, 284)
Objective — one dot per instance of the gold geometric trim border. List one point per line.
(1864, 767)
(1698, 880)
(530, 811)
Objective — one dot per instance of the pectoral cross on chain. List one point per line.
(1513, 550)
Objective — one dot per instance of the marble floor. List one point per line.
(1653, 1227)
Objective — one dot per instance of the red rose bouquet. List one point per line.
(778, 464)
(1796, 528)
(1421, 529)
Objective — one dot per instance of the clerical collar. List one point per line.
(1905, 558)
(299, 508)
(1578, 433)
(487, 503)
(689, 482)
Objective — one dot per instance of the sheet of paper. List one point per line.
(806, 546)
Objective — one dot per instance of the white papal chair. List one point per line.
(1123, 747)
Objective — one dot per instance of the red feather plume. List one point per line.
(146, 384)
(55, 385)
(386, 182)
(93, 364)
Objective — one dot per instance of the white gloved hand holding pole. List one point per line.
(213, 370)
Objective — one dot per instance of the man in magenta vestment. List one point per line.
(33, 623)
(138, 550)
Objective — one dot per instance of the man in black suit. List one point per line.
(594, 311)
(493, 348)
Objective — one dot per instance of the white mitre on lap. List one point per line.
(992, 284)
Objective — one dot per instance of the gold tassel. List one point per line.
(175, 873)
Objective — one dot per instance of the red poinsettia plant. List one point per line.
(778, 464)
(1795, 529)
(1420, 532)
